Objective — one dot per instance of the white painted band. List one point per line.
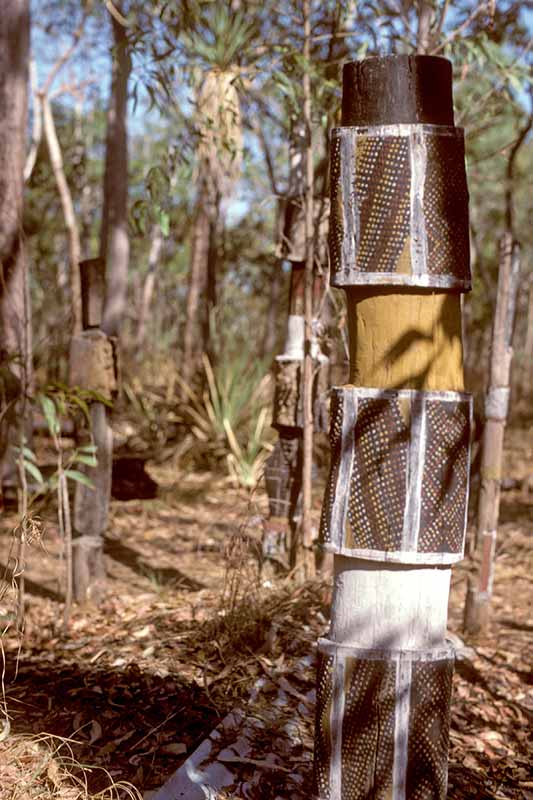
(400, 129)
(295, 340)
(391, 606)
(392, 394)
(395, 556)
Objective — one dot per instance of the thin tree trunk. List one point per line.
(307, 461)
(477, 606)
(37, 125)
(526, 382)
(74, 248)
(114, 241)
(149, 282)
(197, 283)
(425, 15)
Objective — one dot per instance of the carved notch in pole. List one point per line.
(394, 512)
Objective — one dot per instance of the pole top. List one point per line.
(390, 90)
(92, 276)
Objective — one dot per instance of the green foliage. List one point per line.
(228, 418)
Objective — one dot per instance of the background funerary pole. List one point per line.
(395, 506)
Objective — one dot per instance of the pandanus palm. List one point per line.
(218, 40)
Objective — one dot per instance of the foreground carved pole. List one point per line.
(478, 599)
(394, 511)
(93, 367)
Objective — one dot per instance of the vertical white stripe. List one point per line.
(344, 475)
(401, 728)
(418, 162)
(348, 152)
(417, 447)
(337, 718)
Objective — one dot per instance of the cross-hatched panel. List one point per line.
(382, 192)
(335, 439)
(445, 477)
(378, 484)
(322, 756)
(446, 207)
(429, 723)
(368, 729)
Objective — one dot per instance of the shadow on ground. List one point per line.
(120, 719)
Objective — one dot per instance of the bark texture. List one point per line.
(114, 240)
(15, 320)
(14, 49)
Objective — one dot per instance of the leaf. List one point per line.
(29, 454)
(90, 460)
(164, 222)
(174, 749)
(50, 414)
(88, 448)
(79, 477)
(34, 471)
(96, 732)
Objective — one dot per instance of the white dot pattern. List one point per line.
(335, 440)
(446, 207)
(322, 756)
(368, 729)
(377, 488)
(445, 478)
(429, 723)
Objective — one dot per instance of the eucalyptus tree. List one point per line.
(114, 237)
(15, 327)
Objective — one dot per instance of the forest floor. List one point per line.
(190, 622)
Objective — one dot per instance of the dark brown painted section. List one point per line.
(397, 89)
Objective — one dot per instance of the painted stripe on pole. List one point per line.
(415, 470)
(349, 203)
(401, 727)
(344, 477)
(337, 717)
(418, 161)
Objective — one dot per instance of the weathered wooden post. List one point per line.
(394, 511)
(478, 598)
(93, 367)
(283, 471)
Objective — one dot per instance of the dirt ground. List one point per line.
(190, 622)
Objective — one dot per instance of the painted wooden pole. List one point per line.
(93, 367)
(478, 599)
(283, 471)
(394, 511)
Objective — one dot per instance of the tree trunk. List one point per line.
(15, 320)
(149, 283)
(114, 240)
(306, 542)
(477, 606)
(394, 511)
(74, 247)
(197, 285)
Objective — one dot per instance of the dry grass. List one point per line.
(43, 767)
